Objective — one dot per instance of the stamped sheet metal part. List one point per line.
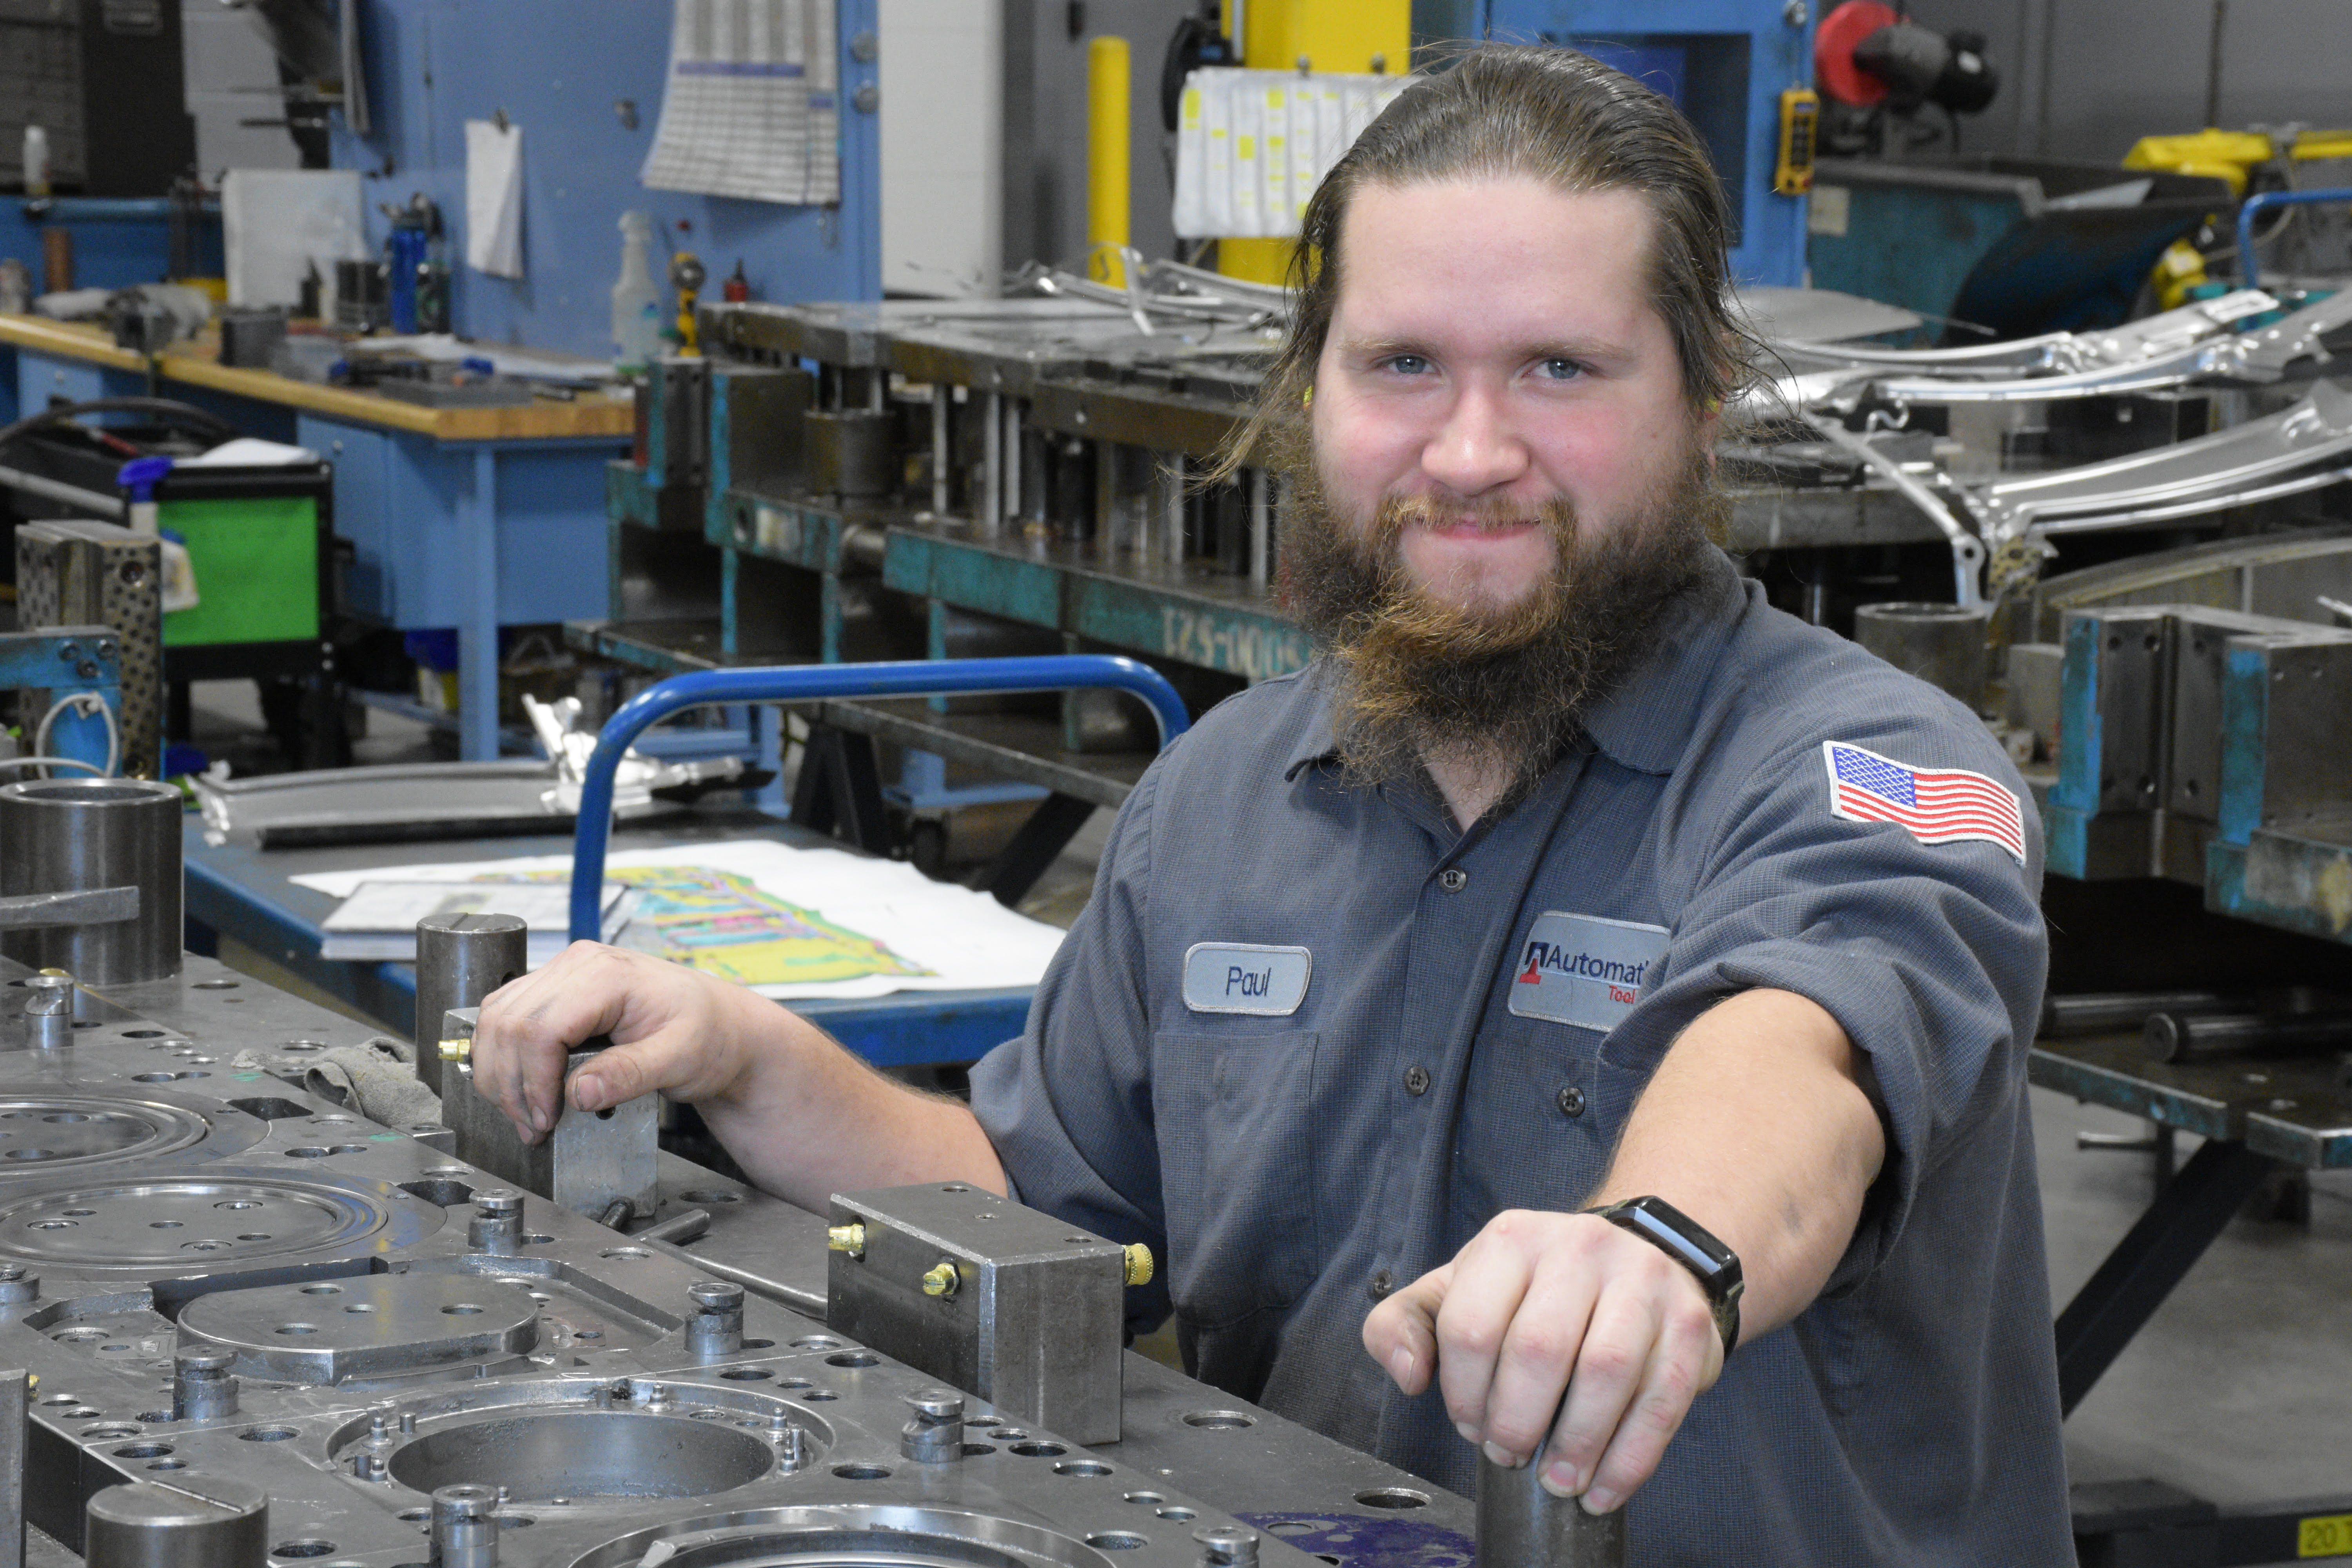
(2301, 448)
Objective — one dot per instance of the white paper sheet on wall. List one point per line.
(1253, 145)
(494, 198)
(752, 108)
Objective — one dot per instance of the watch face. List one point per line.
(1669, 1227)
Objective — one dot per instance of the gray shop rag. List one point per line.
(379, 1079)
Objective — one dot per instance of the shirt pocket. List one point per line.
(1238, 1175)
(1530, 1134)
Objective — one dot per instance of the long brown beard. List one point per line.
(1422, 678)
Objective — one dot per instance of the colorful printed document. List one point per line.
(789, 923)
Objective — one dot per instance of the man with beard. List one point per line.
(1580, 972)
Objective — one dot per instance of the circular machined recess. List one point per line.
(850, 1536)
(43, 1130)
(196, 1223)
(586, 1454)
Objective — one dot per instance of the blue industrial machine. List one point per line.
(1742, 70)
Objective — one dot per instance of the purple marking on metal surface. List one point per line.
(1361, 1541)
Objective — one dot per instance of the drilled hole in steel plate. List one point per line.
(1393, 1498)
(312, 1289)
(1039, 1450)
(747, 1374)
(142, 1451)
(1081, 1467)
(759, 1344)
(268, 1434)
(630, 1253)
(854, 1359)
(303, 1549)
(169, 1465)
(460, 1309)
(820, 1395)
(1116, 1540)
(413, 1515)
(1147, 1498)
(816, 1343)
(308, 1151)
(1176, 1513)
(142, 1034)
(215, 985)
(862, 1472)
(1218, 1420)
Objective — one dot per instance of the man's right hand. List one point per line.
(673, 1028)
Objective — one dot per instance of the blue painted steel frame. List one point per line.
(1771, 249)
(811, 683)
(560, 73)
(2249, 265)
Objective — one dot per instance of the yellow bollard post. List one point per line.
(1107, 155)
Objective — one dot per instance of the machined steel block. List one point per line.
(1017, 1307)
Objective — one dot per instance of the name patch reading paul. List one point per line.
(1935, 805)
(1245, 977)
(1585, 969)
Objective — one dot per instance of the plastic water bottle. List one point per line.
(36, 163)
(637, 299)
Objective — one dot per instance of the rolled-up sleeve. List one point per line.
(1068, 1104)
(1930, 956)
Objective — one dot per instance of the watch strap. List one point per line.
(1714, 1266)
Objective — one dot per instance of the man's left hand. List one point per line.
(1539, 1304)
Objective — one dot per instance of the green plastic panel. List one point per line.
(256, 562)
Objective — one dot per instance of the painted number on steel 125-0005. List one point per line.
(1250, 648)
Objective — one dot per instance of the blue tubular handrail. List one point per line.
(2249, 269)
(810, 682)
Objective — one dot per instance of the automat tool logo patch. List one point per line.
(1585, 969)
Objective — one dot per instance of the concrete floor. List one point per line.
(2239, 1391)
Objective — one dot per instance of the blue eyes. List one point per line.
(1420, 365)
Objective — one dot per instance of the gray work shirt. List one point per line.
(1479, 1012)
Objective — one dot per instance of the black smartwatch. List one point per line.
(1685, 1241)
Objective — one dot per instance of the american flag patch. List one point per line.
(1935, 805)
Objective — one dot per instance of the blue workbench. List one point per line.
(242, 894)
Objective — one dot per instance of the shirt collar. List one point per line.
(1646, 722)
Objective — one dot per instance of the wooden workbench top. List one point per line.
(196, 363)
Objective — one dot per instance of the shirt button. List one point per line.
(1454, 878)
(1416, 1079)
(1571, 1101)
(1380, 1285)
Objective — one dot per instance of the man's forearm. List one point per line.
(1757, 1126)
(809, 1120)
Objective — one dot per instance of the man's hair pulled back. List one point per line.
(1530, 111)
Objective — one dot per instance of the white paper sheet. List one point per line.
(922, 935)
(752, 107)
(494, 198)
